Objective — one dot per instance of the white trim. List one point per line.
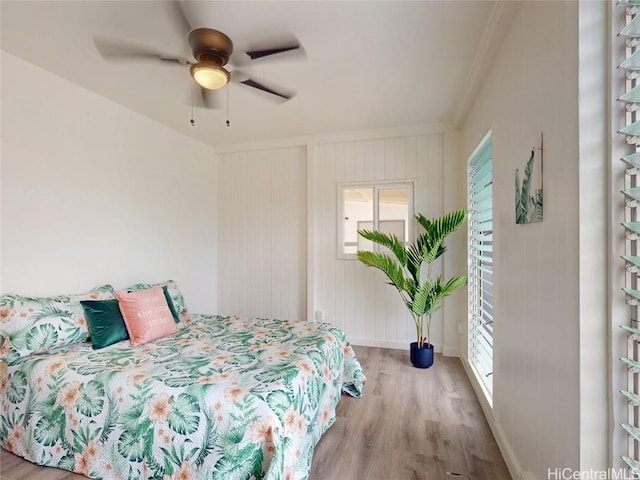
(473, 319)
(377, 343)
(619, 310)
(311, 233)
(376, 186)
(336, 137)
(450, 351)
(397, 345)
(454, 196)
(592, 120)
(495, 30)
(480, 144)
(510, 458)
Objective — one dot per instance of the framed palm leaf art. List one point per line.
(528, 194)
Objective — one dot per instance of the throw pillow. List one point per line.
(35, 325)
(172, 307)
(174, 292)
(106, 325)
(146, 315)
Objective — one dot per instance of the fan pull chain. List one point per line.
(228, 122)
(193, 122)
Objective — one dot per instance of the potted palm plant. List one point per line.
(409, 270)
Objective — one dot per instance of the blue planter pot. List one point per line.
(421, 357)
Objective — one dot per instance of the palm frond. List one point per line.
(51, 311)
(423, 221)
(526, 181)
(537, 206)
(524, 212)
(422, 296)
(386, 264)
(438, 230)
(453, 284)
(414, 254)
(430, 251)
(410, 287)
(445, 225)
(388, 240)
(521, 212)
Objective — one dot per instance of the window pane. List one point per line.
(480, 289)
(394, 212)
(358, 214)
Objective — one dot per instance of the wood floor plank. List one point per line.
(410, 424)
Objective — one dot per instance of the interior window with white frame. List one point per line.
(387, 207)
(480, 264)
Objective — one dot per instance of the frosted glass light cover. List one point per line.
(209, 77)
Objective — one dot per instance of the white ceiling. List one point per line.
(367, 64)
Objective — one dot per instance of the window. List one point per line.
(480, 259)
(630, 102)
(387, 207)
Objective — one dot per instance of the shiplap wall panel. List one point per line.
(262, 233)
(354, 297)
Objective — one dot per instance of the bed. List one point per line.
(222, 398)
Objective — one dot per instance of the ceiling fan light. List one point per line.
(209, 75)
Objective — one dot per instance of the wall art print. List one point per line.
(528, 195)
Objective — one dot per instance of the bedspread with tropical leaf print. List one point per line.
(224, 398)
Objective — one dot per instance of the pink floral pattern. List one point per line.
(228, 398)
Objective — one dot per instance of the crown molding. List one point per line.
(336, 137)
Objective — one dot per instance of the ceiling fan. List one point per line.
(212, 51)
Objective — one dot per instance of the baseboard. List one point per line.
(450, 352)
(373, 342)
(515, 469)
(400, 345)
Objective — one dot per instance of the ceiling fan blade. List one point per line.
(209, 98)
(252, 83)
(115, 50)
(283, 47)
(181, 61)
(254, 54)
(202, 98)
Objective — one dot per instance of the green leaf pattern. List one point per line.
(529, 208)
(225, 397)
(37, 325)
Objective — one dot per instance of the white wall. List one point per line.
(95, 193)
(539, 312)
(350, 295)
(262, 233)
(291, 186)
(593, 167)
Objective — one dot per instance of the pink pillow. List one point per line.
(146, 315)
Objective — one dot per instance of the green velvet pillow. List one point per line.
(172, 307)
(106, 325)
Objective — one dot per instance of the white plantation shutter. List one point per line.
(480, 260)
(630, 36)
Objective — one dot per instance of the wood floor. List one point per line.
(410, 424)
